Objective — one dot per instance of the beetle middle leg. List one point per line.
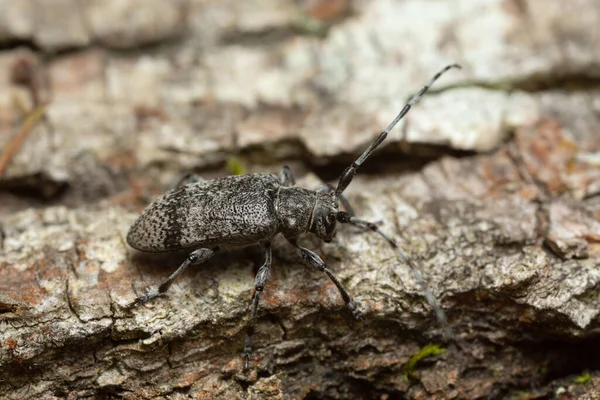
(313, 260)
(259, 284)
(197, 256)
(286, 177)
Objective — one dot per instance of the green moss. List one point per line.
(235, 166)
(427, 351)
(583, 378)
(306, 25)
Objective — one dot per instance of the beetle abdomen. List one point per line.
(236, 210)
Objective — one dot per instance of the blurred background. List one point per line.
(135, 93)
(104, 104)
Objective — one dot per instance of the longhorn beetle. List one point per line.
(242, 210)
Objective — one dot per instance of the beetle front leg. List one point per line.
(259, 284)
(197, 256)
(311, 259)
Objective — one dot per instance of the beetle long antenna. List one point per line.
(349, 173)
(346, 218)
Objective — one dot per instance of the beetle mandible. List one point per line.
(244, 210)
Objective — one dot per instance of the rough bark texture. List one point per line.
(495, 193)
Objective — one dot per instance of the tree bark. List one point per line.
(491, 186)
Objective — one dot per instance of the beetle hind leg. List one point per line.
(197, 256)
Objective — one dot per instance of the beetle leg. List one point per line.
(197, 256)
(286, 177)
(259, 284)
(313, 260)
(187, 178)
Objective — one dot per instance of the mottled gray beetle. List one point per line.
(252, 209)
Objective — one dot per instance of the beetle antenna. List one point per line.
(349, 173)
(346, 218)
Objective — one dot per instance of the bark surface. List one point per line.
(491, 185)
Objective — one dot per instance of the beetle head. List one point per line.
(324, 216)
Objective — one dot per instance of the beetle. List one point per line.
(242, 210)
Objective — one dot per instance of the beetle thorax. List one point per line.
(301, 210)
(294, 207)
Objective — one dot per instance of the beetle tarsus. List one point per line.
(356, 313)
